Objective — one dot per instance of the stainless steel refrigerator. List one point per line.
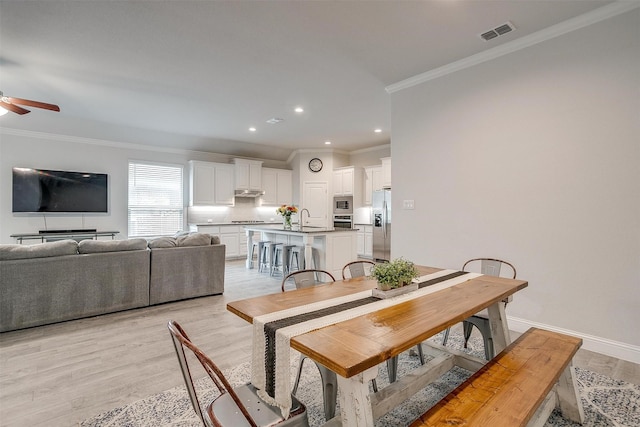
(382, 225)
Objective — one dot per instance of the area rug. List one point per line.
(607, 402)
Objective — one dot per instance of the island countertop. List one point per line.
(306, 229)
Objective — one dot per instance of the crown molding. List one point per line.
(559, 29)
(294, 153)
(370, 149)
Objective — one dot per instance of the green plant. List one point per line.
(394, 274)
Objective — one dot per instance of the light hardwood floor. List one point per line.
(58, 375)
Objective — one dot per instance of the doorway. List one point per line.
(314, 198)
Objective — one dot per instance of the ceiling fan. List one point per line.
(13, 104)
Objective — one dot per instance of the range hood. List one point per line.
(249, 193)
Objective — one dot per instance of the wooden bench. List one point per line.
(518, 387)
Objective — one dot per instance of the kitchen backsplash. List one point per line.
(245, 209)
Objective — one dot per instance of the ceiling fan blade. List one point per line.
(14, 108)
(36, 104)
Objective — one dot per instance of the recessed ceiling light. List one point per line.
(378, 130)
(299, 110)
(327, 143)
(275, 120)
(252, 129)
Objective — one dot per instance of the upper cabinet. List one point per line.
(372, 182)
(211, 183)
(248, 174)
(386, 172)
(278, 187)
(343, 181)
(224, 184)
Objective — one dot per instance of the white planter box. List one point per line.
(394, 292)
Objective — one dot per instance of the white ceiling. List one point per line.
(205, 71)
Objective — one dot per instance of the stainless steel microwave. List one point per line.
(342, 205)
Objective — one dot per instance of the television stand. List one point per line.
(70, 231)
(54, 235)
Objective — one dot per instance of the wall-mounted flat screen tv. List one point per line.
(41, 190)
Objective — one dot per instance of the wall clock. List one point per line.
(315, 165)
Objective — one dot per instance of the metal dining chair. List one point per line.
(304, 279)
(239, 406)
(490, 267)
(357, 268)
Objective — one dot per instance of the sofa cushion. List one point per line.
(40, 250)
(163, 242)
(194, 239)
(99, 246)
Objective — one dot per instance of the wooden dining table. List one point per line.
(354, 348)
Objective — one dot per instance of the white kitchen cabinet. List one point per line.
(201, 183)
(377, 178)
(343, 181)
(248, 174)
(360, 241)
(364, 241)
(368, 241)
(224, 184)
(372, 182)
(386, 172)
(368, 186)
(230, 237)
(210, 183)
(230, 241)
(278, 187)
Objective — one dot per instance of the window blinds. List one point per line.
(156, 204)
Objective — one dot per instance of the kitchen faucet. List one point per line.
(301, 220)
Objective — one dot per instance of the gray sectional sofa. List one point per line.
(65, 280)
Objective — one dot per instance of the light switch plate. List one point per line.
(407, 204)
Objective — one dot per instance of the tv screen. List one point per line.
(40, 190)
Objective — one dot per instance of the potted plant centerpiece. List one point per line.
(286, 212)
(394, 278)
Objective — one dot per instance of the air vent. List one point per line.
(275, 120)
(501, 30)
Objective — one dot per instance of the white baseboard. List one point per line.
(611, 348)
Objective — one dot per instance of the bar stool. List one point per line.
(257, 245)
(281, 259)
(269, 253)
(298, 252)
(263, 255)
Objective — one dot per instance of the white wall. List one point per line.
(533, 157)
(47, 151)
(369, 156)
(23, 148)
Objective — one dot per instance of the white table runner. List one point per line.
(282, 394)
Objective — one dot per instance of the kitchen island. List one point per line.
(330, 248)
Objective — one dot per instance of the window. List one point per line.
(156, 205)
